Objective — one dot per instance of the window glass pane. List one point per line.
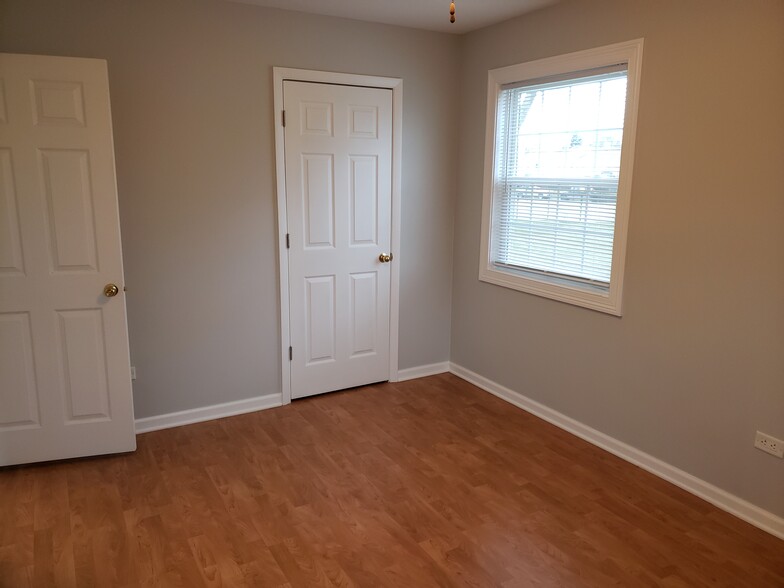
(558, 160)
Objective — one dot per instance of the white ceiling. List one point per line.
(421, 14)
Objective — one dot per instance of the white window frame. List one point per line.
(630, 53)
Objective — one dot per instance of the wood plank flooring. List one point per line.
(430, 482)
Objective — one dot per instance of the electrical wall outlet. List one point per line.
(133, 373)
(769, 444)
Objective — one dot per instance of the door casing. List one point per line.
(396, 85)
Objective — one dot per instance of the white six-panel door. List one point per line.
(65, 387)
(338, 158)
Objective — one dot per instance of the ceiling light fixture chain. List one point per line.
(452, 12)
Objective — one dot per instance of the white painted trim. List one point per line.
(629, 52)
(206, 413)
(422, 371)
(763, 519)
(283, 256)
(396, 85)
(219, 411)
(397, 191)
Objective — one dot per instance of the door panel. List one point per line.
(83, 363)
(19, 392)
(66, 180)
(338, 153)
(318, 200)
(3, 115)
(10, 241)
(58, 103)
(316, 118)
(65, 387)
(364, 199)
(363, 121)
(320, 323)
(363, 306)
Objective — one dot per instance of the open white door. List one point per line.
(65, 386)
(338, 161)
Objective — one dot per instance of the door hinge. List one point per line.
(291, 353)
(288, 244)
(283, 117)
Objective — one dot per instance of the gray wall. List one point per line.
(191, 88)
(696, 364)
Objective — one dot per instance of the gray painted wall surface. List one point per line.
(696, 364)
(191, 90)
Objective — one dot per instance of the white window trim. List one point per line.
(629, 52)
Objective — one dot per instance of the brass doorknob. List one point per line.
(385, 257)
(110, 290)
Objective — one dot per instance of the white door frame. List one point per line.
(303, 75)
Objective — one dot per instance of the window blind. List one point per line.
(557, 162)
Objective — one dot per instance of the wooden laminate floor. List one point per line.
(430, 482)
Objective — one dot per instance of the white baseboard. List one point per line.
(218, 411)
(765, 520)
(422, 370)
(207, 413)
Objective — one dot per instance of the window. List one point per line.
(558, 164)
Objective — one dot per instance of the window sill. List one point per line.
(578, 295)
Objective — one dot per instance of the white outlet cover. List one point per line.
(769, 444)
